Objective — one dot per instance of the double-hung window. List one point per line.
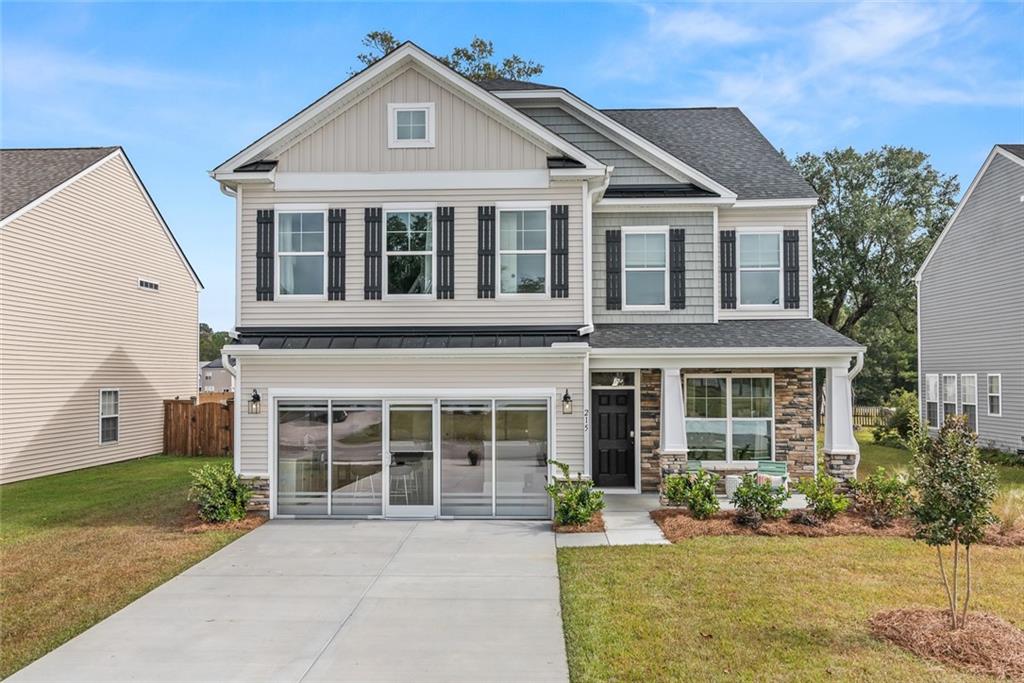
(730, 418)
(523, 251)
(411, 125)
(300, 253)
(645, 268)
(760, 268)
(110, 411)
(995, 395)
(410, 252)
(932, 400)
(969, 400)
(948, 396)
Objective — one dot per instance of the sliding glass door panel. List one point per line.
(357, 464)
(521, 458)
(467, 460)
(302, 458)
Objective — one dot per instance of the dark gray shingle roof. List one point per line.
(493, 84)
(722, 143)
(406, 338)
(1016, 150)
(26, 174)
(802, 333)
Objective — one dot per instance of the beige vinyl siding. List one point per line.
(546, 374)
(75, 321)
(464, 309)
(785, 219)
(466, 138)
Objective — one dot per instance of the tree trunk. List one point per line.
(967, 597)
(956, 565)
(945, 583)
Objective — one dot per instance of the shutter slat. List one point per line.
(264, 255)
(336, 255)
(613, 270)
(485, 252)
(727, 266)
(372, 253)
(677, 268)
(791, 267)
(446, 252)
(559, 251)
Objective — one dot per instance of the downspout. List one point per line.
(858, 366)
(590, 197)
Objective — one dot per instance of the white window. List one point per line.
(995, 395)
(409, 240)
(301, 267)
(523, 250)
(645, 268)
(760, 268)
(109, 415)
(932, 400)
(948, 396)
(411, 125)
(969, 400)
(730, 417)
(150, 285)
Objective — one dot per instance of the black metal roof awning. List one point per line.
(680, 190)
(407, 337)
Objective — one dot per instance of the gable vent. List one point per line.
(151, 285)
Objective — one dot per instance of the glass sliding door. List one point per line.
(302, 458)
(521, 443)
(411, 466)
(357, 464)
(467, 460)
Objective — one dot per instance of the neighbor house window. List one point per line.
(730, 418)
(760, 268)
(969, 400)
(932, 400)
(410, 252)
(523, 251)
(995, 395)
(300, 253)
(645, 273)
(948, 396)
(109, 415)
(411, 125)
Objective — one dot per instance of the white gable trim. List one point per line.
(622, 135)
(996, 151)
(407, 52)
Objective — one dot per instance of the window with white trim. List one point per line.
(969, 400)
(730, 417)
(759, 263)
(110, 411)
(948, 396)
(645, 268)
(409, 240)
(523, 251)
(411, 125)
(301, 257)
(932, 400)
(995, 395)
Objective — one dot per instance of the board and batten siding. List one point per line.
(75, 321)
(546, 374)
(783, 219)
(971, 301)
(466, 137)
(700, 284)
(465, 309)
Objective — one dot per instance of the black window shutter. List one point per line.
(677, 268)
(485, 253)
(727, 266)
(559, 251)
(791, 267)
(372, 253)
(446, 252)
(264, 255)
(336, 254)
(613, 270)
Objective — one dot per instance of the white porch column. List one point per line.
(842, 452)
(673, 435)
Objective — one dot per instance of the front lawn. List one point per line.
(77, 547)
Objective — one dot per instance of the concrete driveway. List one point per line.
(340, 601)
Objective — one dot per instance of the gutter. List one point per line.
(590, 198)
(858, 366)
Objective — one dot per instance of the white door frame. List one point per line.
(391, 510)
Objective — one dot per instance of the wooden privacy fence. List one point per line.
(869, 416)
(203, 429)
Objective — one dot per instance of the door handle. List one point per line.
(631, 433)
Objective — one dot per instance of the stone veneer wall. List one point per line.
(650, 429)
(260, 501)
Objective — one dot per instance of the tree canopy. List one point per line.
(210, 342)
(473, 61)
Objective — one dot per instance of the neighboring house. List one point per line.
(98, 312)
(214, 377)
(442, 284)
(970, 307)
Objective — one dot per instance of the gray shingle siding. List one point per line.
(971, 300)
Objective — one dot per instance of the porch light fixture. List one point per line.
(254, 403)
(566, 403)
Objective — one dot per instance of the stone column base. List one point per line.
(669, 463)
(841, 466)
(260, 500)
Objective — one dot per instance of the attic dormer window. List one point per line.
(411, 125)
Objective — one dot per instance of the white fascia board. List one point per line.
(615, 204)
(725, 358)
(49, 193)
(795, 203)
(244, 177)
(413, 180)
(566, 350)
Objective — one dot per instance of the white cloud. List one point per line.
(699, 27)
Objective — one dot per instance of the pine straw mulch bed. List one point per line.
(595, 524)
(194, 525)
(985, 645)
(677, 524)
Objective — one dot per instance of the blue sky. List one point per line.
(184, 86)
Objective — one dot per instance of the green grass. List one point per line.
(77, 547)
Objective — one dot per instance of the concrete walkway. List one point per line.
(340, 601)
(627, 521)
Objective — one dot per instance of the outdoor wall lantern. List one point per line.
(254, 403)
(566, 403)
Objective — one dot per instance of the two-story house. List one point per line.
(443, 284)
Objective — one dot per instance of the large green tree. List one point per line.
(473, 61)
(210, 342)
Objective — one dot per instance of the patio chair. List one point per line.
(774, 469)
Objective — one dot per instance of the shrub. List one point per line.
(882, 497)
(695, 490)
(576, 500)
(1008, 507)
(822, 499)
(757, 502)
(901, 419)
(218, 492)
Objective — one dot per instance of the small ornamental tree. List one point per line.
(955, 490)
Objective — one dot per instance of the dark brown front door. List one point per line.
(613, 452)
